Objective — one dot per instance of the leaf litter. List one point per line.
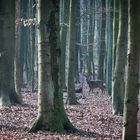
(92, 117)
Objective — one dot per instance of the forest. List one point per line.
(69, 69)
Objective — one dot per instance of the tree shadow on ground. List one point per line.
(86, 134)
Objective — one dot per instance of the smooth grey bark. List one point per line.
(17, 52)
(51, 113)
(115, 32)
(102, 48)
(23, 43)
(118, 88)
(109, 40)
(64, 32)
(90, 39)
(77, 43)
(32, 43)
(83, 42)
(8, 94)
(71, 71)
(133, 69)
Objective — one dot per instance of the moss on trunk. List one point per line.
(51, 114)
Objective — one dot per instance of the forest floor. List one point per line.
(92, 116)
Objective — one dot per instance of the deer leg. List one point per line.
(96, 90)
(89, 90)
(102, 90)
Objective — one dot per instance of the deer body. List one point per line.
(94, 84)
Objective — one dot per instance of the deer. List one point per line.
(94, 84)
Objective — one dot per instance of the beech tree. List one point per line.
(90, 39)
(51, 113)
(17, 50)
(64, 34)
(120, 63)
(8, 94)
(102, 47)
(115, 31)
(109, 40)
(71, 70)
(132, 81)
(32, 42)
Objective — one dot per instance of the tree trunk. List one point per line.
(132, 84)
(24, 43)
(83, 47)
(109, 34)
(91, 27)
(8, 94)
(115, 31)
(121, 54)
(32, 43)
(77, 43)
(102, 48)
(71, 87)
(64, 32)
(17, 50)
(51, 114)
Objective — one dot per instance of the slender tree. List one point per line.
(109, 40)
(72, 35)
(17, 50)
(102, 48)
(121, 54)
(21, 52)
(97, 34)
(64, 33)
(91, 27)
(132, 84)
(32, 42)
(115, 31)
(77, 43)
(83, 44)
(51, 113)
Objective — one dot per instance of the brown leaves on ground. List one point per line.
(93, 117)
